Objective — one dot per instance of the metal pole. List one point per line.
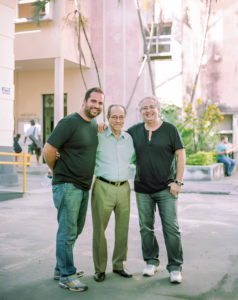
(24, 173)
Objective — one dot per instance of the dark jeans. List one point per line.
(167, 206)
(229, 163)
(71, 204)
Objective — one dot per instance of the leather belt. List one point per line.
(118, 183)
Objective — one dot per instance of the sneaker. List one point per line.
(57, 274)
(150, 270)
(72, 283)
(175, 277)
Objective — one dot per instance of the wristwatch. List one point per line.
(179, 182)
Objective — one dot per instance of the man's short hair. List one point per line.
(115, 105)
(153, 97)
(32, 122)
(90, 91)
(223, 137)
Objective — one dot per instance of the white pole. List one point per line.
(59, 90)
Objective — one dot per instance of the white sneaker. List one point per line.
(175, 277)
(72, 283)
(150, 270)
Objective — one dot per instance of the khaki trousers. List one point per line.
(105, 199)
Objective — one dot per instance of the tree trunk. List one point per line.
(79, 46)
(203, 46)
(95, 64)
(145, 46)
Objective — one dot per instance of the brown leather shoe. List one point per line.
(99, 277)
(123, 273)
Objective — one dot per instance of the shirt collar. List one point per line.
(109, 132)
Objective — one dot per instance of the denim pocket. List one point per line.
(72, 197)
(56, 195)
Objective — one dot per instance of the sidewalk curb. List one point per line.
(205, 193)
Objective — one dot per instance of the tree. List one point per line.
(199, 134)
(203, 46)
(145, 4)
(79, 22)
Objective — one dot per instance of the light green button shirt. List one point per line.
(114, 156)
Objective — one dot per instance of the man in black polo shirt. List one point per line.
(158, 181)
(75, 137)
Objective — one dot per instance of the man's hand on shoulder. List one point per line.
(102, 127)
(174, 188)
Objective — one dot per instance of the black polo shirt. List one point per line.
(155, 159)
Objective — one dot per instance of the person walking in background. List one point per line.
(76, 139)
(160, 163)
(35, 131)
(111, 192)
(17, 142)
(222, 155)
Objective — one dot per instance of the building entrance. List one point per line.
(48, 115)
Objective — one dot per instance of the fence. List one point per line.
(24, 163)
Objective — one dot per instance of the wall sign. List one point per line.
(28, 115)
(6, 90)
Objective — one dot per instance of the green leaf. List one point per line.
(39, 5)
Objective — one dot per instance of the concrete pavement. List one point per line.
(225, 186)
(208, 226)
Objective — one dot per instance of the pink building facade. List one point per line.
(48, 82)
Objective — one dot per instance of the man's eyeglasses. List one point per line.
(152, 107)
(114, 118)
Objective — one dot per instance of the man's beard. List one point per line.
(88, 112)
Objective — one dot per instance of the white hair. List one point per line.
(152, 97)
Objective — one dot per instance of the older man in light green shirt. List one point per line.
(113, 156)
(111, 192)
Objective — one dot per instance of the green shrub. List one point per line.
(214, 156)
(200, 158)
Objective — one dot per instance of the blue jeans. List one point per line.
(167, 206)
(229, 163)
(71, 204)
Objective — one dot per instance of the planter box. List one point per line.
(203, 173)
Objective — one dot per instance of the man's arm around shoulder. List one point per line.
(49, 153)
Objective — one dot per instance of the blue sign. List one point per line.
(6, 90)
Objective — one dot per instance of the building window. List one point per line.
(24, 11)
(161, 43)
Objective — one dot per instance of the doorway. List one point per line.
(48, 115)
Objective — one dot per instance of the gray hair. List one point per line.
(152, 97)
(115, 105)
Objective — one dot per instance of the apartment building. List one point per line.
(48, 81)
(7, 10)
(47, 74)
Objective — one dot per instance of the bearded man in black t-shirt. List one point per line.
(160, 158)
(76, 139)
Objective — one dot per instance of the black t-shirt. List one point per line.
(76, 141)
(155, 159)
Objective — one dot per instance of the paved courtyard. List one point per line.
(208, 224)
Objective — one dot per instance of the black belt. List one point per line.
(118, 183)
